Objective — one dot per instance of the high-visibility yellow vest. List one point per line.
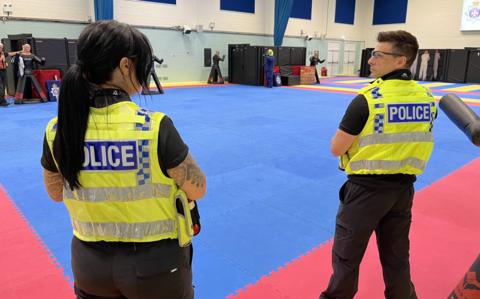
(125, 196)
(397, 137)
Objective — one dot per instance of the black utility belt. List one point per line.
(135, 245)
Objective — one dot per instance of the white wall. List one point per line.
(435, 23)
(192, 13)
(72, 10)
(323, 22)
(183, 54)
(209, 10)
(355, 32)
(155, 14)
(203, 12)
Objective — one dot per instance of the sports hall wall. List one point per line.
(183, 54)
(254, 28)
(435, 22)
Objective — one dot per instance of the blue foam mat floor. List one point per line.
(272, 183)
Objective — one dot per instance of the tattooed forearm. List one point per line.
(189, 171)
(54, 184)
(178, 174)
(194, 174)
(189, 177)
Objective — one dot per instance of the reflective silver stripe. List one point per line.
(122, 230)
(118, 193)
(386, 164)
(395, 138)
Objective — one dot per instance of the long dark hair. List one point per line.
(100, 48)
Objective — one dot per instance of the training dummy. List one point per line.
(26, 60)
(215, 76)
(268, 65)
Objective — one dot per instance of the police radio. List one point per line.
(194, 214)
(195, 218)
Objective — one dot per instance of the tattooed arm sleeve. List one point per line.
(190, 178)
(54, 184)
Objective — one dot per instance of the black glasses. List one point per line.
(380, 54)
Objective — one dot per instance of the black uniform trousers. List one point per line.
(116, 270)
(363, 210)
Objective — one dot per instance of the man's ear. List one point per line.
(403, 60)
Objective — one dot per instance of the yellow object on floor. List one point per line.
(355, 81)
(436, 84)
(468, 88)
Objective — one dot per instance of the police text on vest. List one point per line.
(408, 112)
(110, 155)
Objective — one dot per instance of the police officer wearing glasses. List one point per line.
(384, 141)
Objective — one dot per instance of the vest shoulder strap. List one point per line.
(371, 86)
(51, 129)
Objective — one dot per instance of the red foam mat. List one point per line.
(445, 240)
(27, 269)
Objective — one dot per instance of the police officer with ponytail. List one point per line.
(123, 173)
(384, 141)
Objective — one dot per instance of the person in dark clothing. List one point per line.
(314, 60)
(3, 76)
(26, 60)
(123, 172)
(268, 67)
(215, 76)
(382, 146)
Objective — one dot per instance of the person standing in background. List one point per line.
(314, 60)
(425, 58)
(436, 59)
(3, 76)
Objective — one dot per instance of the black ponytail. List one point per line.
(100, 48)
(73, 110)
